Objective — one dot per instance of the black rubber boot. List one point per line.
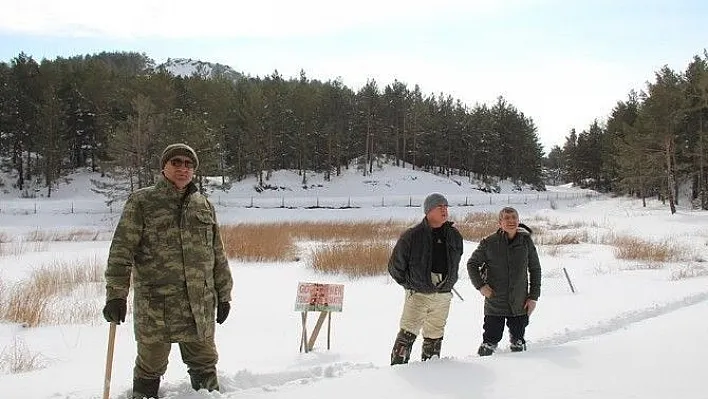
(431, 347)
(517, 345)
(206, 381)
(486, 349)
(145, 388)
(401, 352)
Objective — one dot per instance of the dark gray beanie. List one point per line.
(432, 201)
(173, 150)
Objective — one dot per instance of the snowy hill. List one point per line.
(388, 186)
(186, 67)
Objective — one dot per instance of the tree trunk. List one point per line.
(701, 168)
(670, 180)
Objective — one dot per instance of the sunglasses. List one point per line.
(179, 162)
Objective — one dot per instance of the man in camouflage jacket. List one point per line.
(168, 241)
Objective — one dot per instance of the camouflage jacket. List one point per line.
(169, 243)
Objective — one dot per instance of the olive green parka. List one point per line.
(513, 271)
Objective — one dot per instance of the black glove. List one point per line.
(115, 310)
(222, 311)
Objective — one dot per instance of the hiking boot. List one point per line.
(486, 349)
(401, 352)
(431, 348)
(517, 345)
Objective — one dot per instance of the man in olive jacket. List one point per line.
(506, 271)
(168, 242)
(425, 262)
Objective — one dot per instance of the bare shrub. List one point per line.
(17, 358)
(632, 248)
(355, 259)
(4, 237)
(258, 242)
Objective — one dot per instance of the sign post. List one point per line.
(316, 297)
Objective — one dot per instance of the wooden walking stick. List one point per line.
(109, 360)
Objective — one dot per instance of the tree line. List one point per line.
(115, 112)
(651, 144)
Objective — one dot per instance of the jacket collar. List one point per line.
(427, 227)
(169, 189)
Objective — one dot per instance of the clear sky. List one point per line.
(561, 62)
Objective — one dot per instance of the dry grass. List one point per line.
(345, 231)
(79, 235)
(632, 248)
(689, 271)
(552, 250)
(75, 235)
(29, 302)
(475, 226)
(277, 241)
(568, 238)
(570, 225)
(4, 237)
(40, 236)
(355, 259)
(17, 358)
(19, 248)
(258, 242)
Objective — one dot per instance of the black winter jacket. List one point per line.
(410, 264)
(513, 272)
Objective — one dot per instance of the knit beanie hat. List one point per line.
(173, 150)
(432, 201)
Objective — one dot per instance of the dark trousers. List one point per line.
(494, 328)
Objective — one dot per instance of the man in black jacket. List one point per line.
(510, 283)
(425, 262)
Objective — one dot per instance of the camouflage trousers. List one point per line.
(151, 361)
(426, 311)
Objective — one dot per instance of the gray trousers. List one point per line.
(151, 361)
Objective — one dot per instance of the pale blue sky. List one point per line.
(563, 63)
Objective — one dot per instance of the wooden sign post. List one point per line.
(316, 297)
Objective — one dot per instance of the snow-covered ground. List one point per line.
(631, 330)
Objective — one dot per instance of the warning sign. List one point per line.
(316, 297)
